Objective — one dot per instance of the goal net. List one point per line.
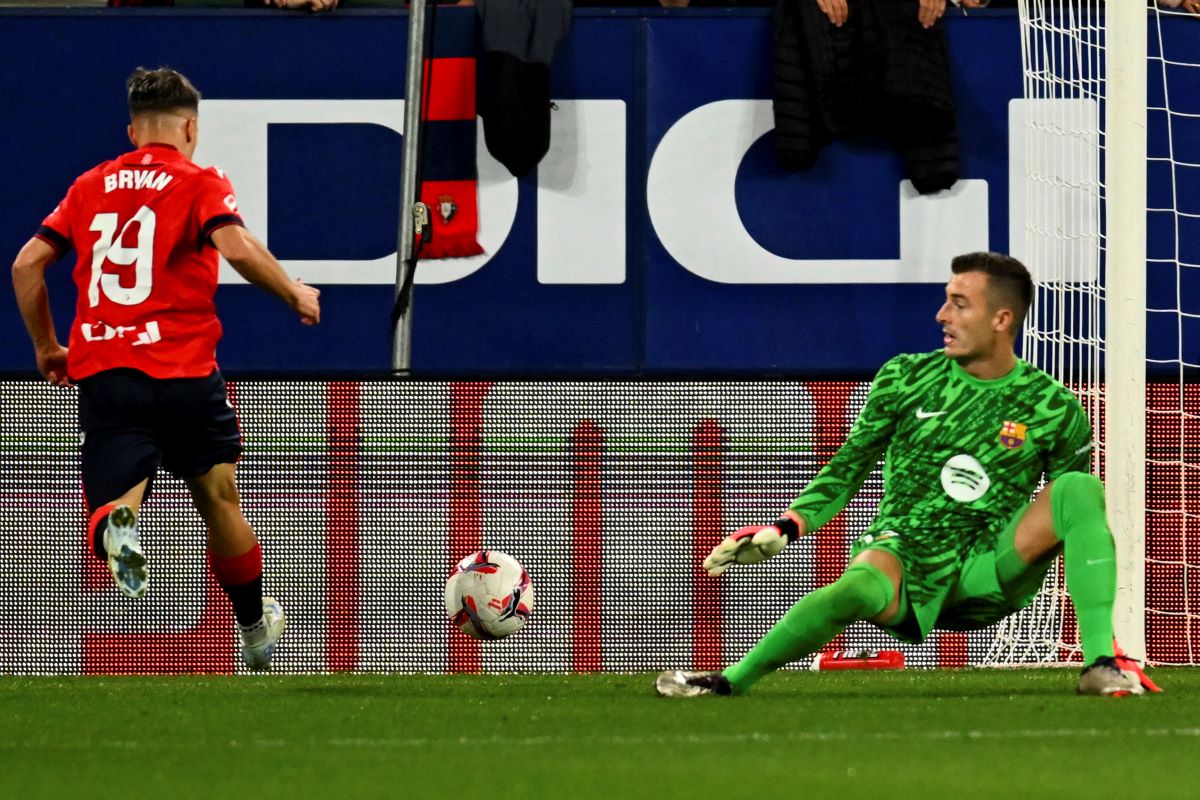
(1107, 216)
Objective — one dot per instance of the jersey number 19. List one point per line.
(141, 257)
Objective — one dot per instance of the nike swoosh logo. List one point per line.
(1092, 561)
(927, 414)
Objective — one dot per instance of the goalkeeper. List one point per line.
(966, 432)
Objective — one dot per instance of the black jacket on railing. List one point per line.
(879, 73)
(519, 40)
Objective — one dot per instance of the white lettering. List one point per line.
(690, 196)
(106, 225)
(95, 332)
(109, 247)
(581, 214)
(136, 179)
(581, 195)
(150, 335)
(102, 332)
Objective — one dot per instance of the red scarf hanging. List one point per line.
(449, 185)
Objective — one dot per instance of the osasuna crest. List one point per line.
(446, 206)
(1012, 434)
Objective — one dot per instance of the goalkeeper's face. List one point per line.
(972, 328)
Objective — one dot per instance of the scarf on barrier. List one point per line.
(449, 181)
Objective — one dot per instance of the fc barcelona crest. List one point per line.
(446, 206)
(1012, 434)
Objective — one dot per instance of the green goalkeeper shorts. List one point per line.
(964, 599)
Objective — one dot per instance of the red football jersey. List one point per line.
(147, 270)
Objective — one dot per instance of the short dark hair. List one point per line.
(156, 91)
(1009, 284)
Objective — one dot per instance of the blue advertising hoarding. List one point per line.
(659, 235)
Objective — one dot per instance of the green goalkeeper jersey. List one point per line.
(962, 454)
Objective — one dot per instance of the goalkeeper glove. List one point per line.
(752, 544)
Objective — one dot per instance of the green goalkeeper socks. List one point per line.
(1089, 558)
(860, 593)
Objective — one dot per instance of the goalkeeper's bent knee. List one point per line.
(863, 591)
(1076, 503)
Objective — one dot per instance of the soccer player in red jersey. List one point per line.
(147, 227)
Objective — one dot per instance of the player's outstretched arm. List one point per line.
(254, 262)
(29, 283)
(830, 491)
(755, 543)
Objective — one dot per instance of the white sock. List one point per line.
(254, 633)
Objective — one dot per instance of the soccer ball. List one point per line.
(489, 595)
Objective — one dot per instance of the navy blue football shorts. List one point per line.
(131, 425)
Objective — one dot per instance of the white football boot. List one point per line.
(1105, 677)
(677, 683)
(258, 648)
(126, 561)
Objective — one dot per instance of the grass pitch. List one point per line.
(888, 735)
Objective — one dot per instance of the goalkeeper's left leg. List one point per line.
(1069, 513)
(862, 592)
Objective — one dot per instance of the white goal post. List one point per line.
(1125, 311)
(1084, 239)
